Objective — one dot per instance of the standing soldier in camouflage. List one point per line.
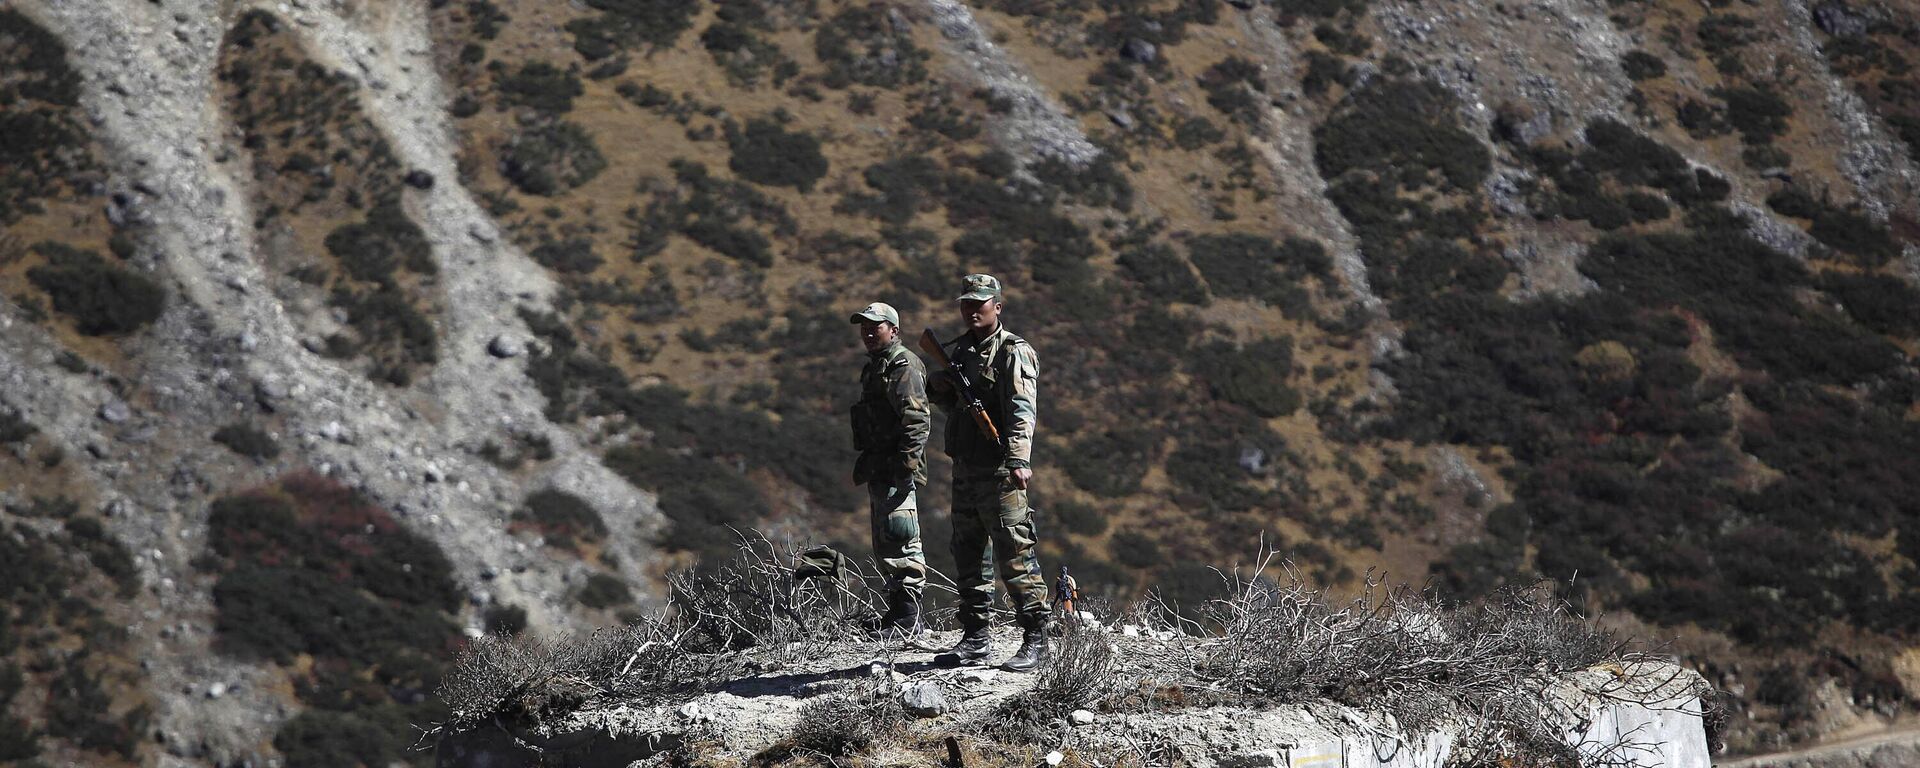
(992, 525)
(890, 426)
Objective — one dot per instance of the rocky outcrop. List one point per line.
(1596, 710)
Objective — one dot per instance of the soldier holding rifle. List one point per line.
(988, 384)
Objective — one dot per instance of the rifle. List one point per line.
(972, 401)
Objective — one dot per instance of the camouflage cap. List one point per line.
(878, 312)
(979, 288)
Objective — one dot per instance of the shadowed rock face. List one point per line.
(1444, 288)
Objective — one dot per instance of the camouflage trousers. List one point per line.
(895, 514)
(990, 516)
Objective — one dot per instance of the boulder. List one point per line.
(1838, 20)
(1139, 51)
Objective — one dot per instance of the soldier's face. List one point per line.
(877, 334)
(980, 316)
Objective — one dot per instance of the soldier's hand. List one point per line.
(940, 383)
(1021, 477)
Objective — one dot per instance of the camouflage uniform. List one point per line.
(890, 426)
(990, 513)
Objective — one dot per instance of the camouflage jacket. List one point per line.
(891, 421)
(1005, 373)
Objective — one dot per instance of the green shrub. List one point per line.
(623, 24)
(319, 738)
(738, 243)
(572, 256)
(1241, 265)
(41, 138)
(1109, 463)
(248, 440)
(1136, 550)
(1254, 376)
(540, 86)
(1640, 65)
(1401, 129)
(14, 428)
(704, 500)
(1323, 72)
(1196, 132)
(1206, 465)
(1235, 87)
(1076, 518)
(1884, 304)
(370, 251)
(77, 711)
(767, 153)
(562, 518)
(102, 298)
(604, 591)
(1162, 274)
(367, 586)
(390, 330)
(860, 45)
(551, 158)
(1759, 114)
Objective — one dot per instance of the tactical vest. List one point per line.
(993, 382)
(876, 425)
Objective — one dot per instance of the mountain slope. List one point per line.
(1477, 294)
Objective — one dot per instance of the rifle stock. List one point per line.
(972, 401)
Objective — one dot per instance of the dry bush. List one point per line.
(523, 678)
(844, 724)
(1493, 665)
(1079, 673)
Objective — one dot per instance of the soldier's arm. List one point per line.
(1025, 407)
(909, 394)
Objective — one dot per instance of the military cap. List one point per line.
(879, 312)
(979, 288)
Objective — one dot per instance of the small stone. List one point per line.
(433, 473)
(504, 346)
(1055, 758)
(1120, 118)
(419, 179)
(1130, 631)
(1081, 717)
(924, 699)
(690, 712)
(115, 411)
(216, 690)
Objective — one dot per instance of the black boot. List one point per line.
(973, 646)
(1033, 650)
(902, 620)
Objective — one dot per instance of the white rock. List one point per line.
(924, 699)
(504, 346)
(1081, 717)
(115, 411)
(690, 712)
(1130, 631)
(216, 690)
(1055, 758)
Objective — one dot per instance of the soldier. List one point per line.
(890, 426)
(990, 477)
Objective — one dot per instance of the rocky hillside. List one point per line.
(336, 332)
